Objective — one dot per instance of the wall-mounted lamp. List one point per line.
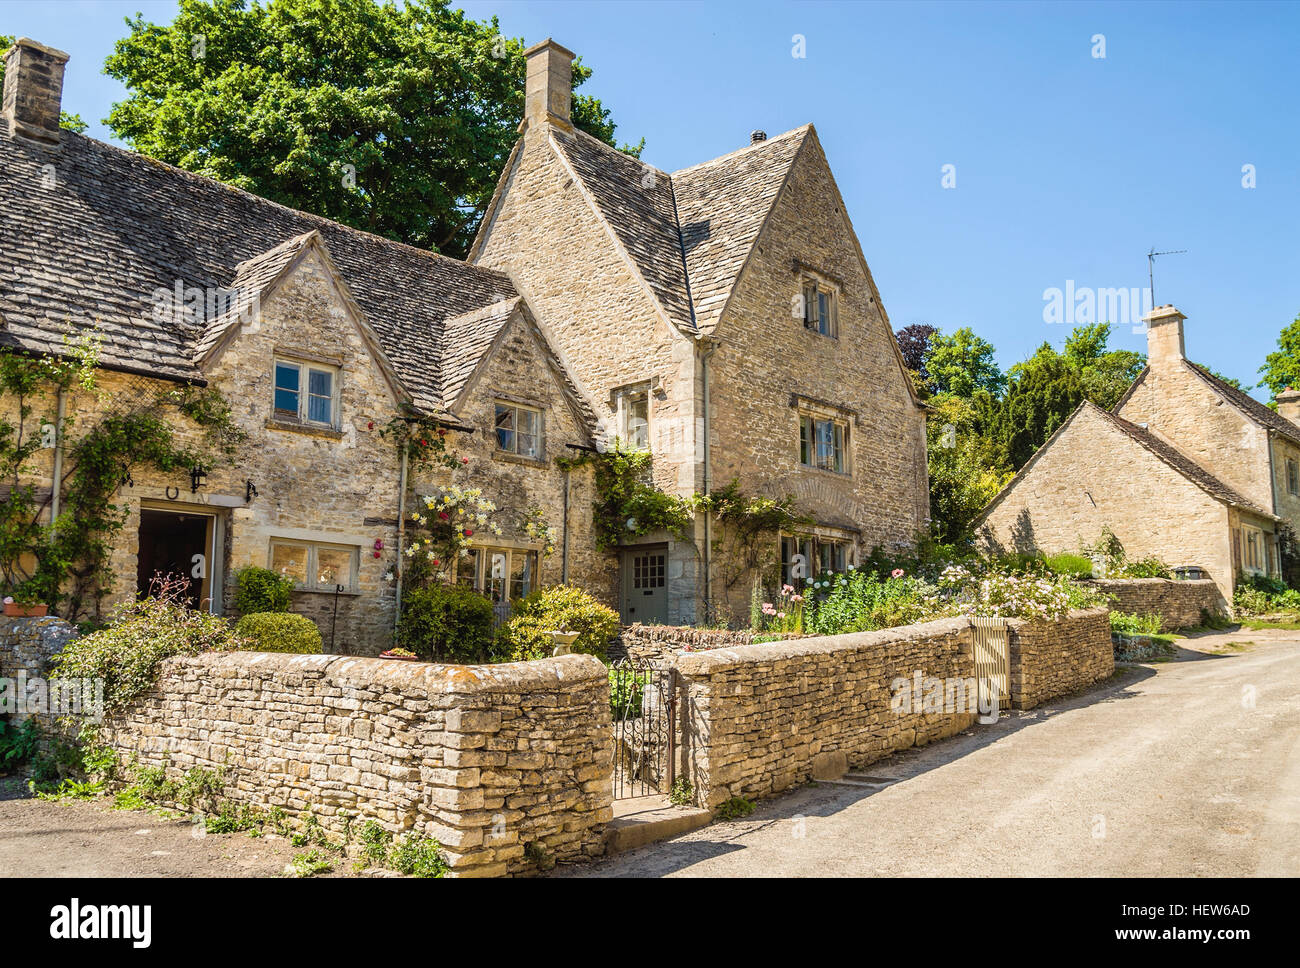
(197, 478)
(250, 491)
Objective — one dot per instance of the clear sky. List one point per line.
(1068, 167)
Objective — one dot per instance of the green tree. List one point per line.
(961, 363)
(1281, 368)
(72, 122)
(1105, 373)
(1043, 391)
(961, 482)
(393, 119)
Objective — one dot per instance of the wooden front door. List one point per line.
(645, 585)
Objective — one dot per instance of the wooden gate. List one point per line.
(992, 648)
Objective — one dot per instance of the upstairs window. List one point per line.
(305, 393)
(822, 443)
(1292, 477)
(634, 417)
(819, 308)
(519, 430)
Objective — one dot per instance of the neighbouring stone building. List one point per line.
(1187, 468)
(722, 316)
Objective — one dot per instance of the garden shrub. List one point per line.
(1123, 623)
(261, 590)
(557, 608)
(1075, 566)
(280, 632)
(859, 602)
(446, 623)
(141, 635)
(1260, 595)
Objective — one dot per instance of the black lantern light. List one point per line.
(197, 478)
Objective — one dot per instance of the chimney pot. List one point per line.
(33, 90)
(756, 136)
(1164, 335)
(1288, 405)
(548, 90)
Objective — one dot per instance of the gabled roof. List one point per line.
(469, 339)
(1252, 408)
(1162, 451)
(90, 232)
(689, 233)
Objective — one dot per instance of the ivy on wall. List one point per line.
(64, 562)
(627, 504)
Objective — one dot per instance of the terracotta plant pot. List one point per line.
(401, 658)
(14, 610)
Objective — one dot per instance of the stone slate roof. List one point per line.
(469, 337)
(1179, 461)
(1253, 409)
(89, 232)
(689, 233)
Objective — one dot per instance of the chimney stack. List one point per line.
(1164, 335)
(756, 136)
(33, 90)
(1288, 405)
(548, 91)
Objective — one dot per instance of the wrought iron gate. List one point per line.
(992, 650)
(643, 702)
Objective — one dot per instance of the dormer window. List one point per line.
(819, 308)
(306, 393)
(633, 405)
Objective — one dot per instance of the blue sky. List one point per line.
(1067, 166)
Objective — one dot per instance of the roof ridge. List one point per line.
(608, 147)
(136, 156)
(802, 129)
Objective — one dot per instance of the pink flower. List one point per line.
(897, 573)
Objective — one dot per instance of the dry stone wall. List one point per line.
(1050, 659)
(486, 759)
(1178, 603)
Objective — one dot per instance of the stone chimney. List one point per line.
(548, 91)
(33, 90)
(1288, 405)
(1164, 335)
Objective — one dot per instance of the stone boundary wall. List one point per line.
(486, 759)
(761, 718)
(1050, 659)
(29, 645)
(1179, 603)
(655, 641)
(765, 717)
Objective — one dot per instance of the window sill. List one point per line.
(347, 592)
(839, 475)
(327, 433)
(510, 458)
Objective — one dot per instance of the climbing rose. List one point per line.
(897, 573)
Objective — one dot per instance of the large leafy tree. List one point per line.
(961, 363)
(1105, 373)
(961, 480)
(71, 122)
(1281, 368)
(1042, 393)
(392, 118)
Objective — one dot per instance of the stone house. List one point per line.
(724, 317)
(318, 335)
(1187, 468)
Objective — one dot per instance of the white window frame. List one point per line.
(811, 419)
(623, 399)
(541, 429)
(304, 368)
(309, 549)
(482, 581)
(812, 318)
(1253, 553)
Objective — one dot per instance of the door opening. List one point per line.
(179, 544)
(645, 585)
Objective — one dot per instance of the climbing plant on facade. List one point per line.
(627, 503)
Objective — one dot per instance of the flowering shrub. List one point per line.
(1033, 595)
(539, 529)
(450, 520)
(786, 614)
(556, 608)
(857, 601)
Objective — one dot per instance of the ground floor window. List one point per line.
(502, 574)
(815, 555)
(316, 566)
(1253, 555)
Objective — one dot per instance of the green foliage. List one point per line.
(446, 623)
(309, 863)
(535, 853)
(1043, 392)
(280, 632)
(961, 363)
(626, 689)
(126, 655)
(1281, 368)
(962, 483)
(858, 601)
(1262, 595)
(417, 857)
(261, 590)
(627, 503)
(733, 809)
(19, 744)
(1125, 624)
(1105, 374)
(393, 118)
(1076, 566)
(745, 530)
(1109, 551)
(681, 794)
(67, 121)
(375, 841)
(557, 608)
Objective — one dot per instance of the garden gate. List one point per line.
(643, 702)
(992, 649)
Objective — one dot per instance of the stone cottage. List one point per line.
(724, 317)
(1187, 468)
(318, 335)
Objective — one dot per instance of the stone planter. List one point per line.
(14, 610)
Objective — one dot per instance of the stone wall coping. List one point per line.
(1194, 582)
(537, 675)
(1019, 623)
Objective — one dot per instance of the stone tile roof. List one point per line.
(89, 232)
(1180, 462)
(1253, 409)
(690, 233)
(468, 338)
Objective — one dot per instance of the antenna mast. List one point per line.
(1151, 269)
